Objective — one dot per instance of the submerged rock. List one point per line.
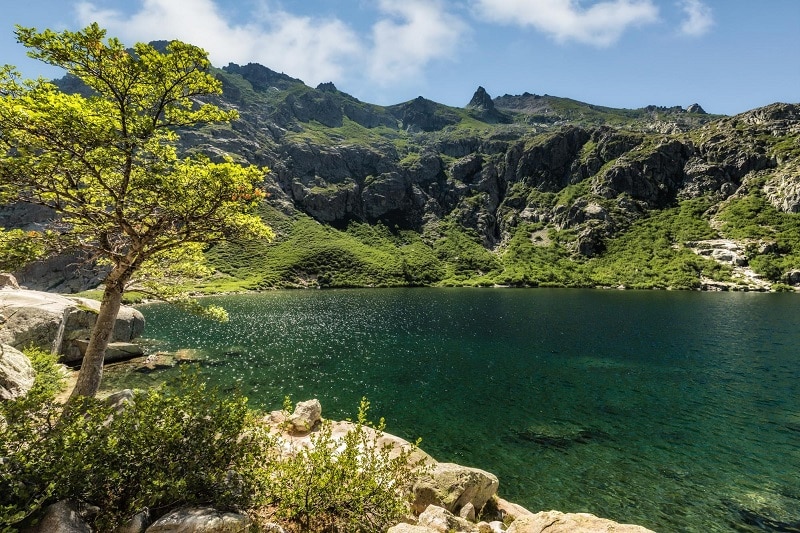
(558, 434)
(767, 510)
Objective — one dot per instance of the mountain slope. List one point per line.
(520, 190)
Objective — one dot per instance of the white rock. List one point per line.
(52, 321)
(467, 512)
(200, 520)
(16, 373)
(452, 486)
(408, 528)
(306, 415)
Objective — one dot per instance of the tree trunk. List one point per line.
(91, 372)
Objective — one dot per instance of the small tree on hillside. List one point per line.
(108, 164)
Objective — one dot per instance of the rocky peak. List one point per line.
(422, 114)
(483, 108)
(695, 108)
(481, 100)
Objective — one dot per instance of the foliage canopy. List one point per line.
(107, 163)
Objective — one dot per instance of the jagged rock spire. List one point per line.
(481, 100)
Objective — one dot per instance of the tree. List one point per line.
(108, 163)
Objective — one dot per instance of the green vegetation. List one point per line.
(18, 248)
(108, 164)
(185, 443)
(651, 255)
(347, 485)
(165, 447)
(774, 235)
(535, 257)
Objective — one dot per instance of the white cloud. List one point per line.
(699, 18)
(406, 37)
(600, 24)
(412, 34)
(314, 50)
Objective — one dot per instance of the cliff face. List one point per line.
(339, 159)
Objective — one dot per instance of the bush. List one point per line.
(348, 485)
(23, 424)
(172, 445)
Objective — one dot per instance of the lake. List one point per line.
(679, 411)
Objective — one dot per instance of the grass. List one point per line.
(651, 254)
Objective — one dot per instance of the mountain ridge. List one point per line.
(524, 190)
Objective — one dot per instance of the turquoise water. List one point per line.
(679, 411)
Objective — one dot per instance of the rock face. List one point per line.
(695, 108)
(200, 520)
(483, 107)
(783, 192)
(16, 373)
(452, 486)
(37, 318)
(557, 522)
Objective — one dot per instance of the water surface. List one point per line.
(679, 411)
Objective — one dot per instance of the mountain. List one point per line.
(521, 190)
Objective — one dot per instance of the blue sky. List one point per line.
(727, 55)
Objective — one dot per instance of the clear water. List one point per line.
(679, 411)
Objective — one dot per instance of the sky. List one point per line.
(729, 56)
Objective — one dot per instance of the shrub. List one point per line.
(172, 445)
(23, 424)
(352, 484)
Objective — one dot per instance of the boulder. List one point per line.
(8, 281)
(452, 486)
(119, 400)
(442, 520)
(115, 351)
(557, 522)
(793, 277)
(200, 520)
(512, 510)
(16, 373)
(305, 416)
(52, 321)
(467, 512)
(137, 524)
(62, 517)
